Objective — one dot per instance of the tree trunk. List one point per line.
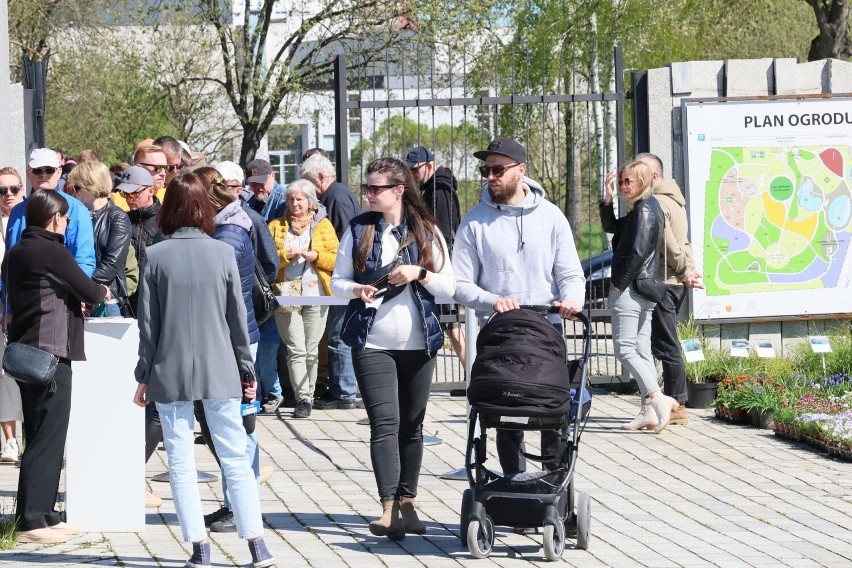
(833, 21)
(250, 144)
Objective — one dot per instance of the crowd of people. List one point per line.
(181, 245)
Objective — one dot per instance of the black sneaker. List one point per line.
(216, 516)
(334, 404)
(303, 409)
(271, 404)
(225, 524)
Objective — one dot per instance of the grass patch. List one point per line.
(8, 527)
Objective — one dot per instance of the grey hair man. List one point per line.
(341, 206)
(677, 269)
(176, 155)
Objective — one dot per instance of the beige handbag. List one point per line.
(288, 288)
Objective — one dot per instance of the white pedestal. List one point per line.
(105, 458)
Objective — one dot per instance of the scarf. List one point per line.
(298, 225)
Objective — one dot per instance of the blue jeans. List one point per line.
(252, 449)
(631, 334)
(229, 438)
(340, 369)
(266, 361)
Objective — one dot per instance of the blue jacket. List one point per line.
(232, 227)
(264, 245)
(274, 206)
(359, 318)
(79, 236)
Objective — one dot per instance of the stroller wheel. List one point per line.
(554, 541)
(480, 537)
(584, 520)
(464, 517)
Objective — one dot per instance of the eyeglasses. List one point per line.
(372, 190)
(159, 168)
(14, 189)
(626, 181)
(496, 171)
(235, 186)
(415, 168)
(45, 170)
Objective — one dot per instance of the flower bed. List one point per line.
(817, 411)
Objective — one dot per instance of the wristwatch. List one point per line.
(422, 274)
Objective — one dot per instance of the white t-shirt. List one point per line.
(398, 325)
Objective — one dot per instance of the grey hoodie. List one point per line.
(233, 214)
(525, 252)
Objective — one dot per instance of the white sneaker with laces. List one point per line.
(10, 451)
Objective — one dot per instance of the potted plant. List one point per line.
(702, 376)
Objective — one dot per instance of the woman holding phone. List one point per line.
(394, 330)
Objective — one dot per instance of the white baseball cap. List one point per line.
(43, 157)
(230, 171)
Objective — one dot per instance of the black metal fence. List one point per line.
(385, 110)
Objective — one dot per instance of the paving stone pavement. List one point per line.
(706, 494)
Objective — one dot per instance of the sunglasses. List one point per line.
(128, 195)
(45, 170)
(14, 189)
(372, 190)
(415, 168)
(160, 168)
(496, 171)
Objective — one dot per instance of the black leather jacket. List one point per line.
(112, 240)
(636, 242)
(146, 232)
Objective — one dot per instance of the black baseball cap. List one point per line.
(504, 147)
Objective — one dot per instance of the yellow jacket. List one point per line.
(323, 241)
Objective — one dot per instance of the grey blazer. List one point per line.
(193, 339)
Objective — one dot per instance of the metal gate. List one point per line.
(387, 109)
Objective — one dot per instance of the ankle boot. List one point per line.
(663, 407)
(390, 525)
(680, 416)
(645, 419)
(410, 519)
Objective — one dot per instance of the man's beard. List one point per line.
(502, 194)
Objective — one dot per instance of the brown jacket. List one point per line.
(677, 250)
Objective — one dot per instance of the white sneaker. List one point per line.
(10, 451)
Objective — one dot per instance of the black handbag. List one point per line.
(29, 365)
(652, 289)
(262, 296)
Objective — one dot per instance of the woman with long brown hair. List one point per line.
(393, 262)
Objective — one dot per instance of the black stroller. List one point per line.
(521, 380)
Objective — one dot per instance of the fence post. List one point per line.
(341, 116)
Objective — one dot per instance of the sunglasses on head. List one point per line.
(159, 168)
(44, 170)
(14, 189)
(496, 171)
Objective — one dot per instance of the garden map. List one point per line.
(776, 218)
(769, 200)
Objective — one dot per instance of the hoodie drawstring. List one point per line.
(521, 235)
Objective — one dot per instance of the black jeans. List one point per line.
(153, 430)
(665, 345)
(510, 448)
(395, 388)
(46, 417)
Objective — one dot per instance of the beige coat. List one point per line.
(677, 250)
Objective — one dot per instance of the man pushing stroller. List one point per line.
(516, 248)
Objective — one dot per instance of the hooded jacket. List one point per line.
(232, 227)
(677, 250)
(523, 251)
(323, 241)
(440, 192)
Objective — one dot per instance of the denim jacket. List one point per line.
(359, 318)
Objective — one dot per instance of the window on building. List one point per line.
(328, 146)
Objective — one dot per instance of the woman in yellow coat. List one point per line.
(307, 246)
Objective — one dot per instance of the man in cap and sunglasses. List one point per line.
(268, 199)
(516, 248)
(43, 173)
(136, 187)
